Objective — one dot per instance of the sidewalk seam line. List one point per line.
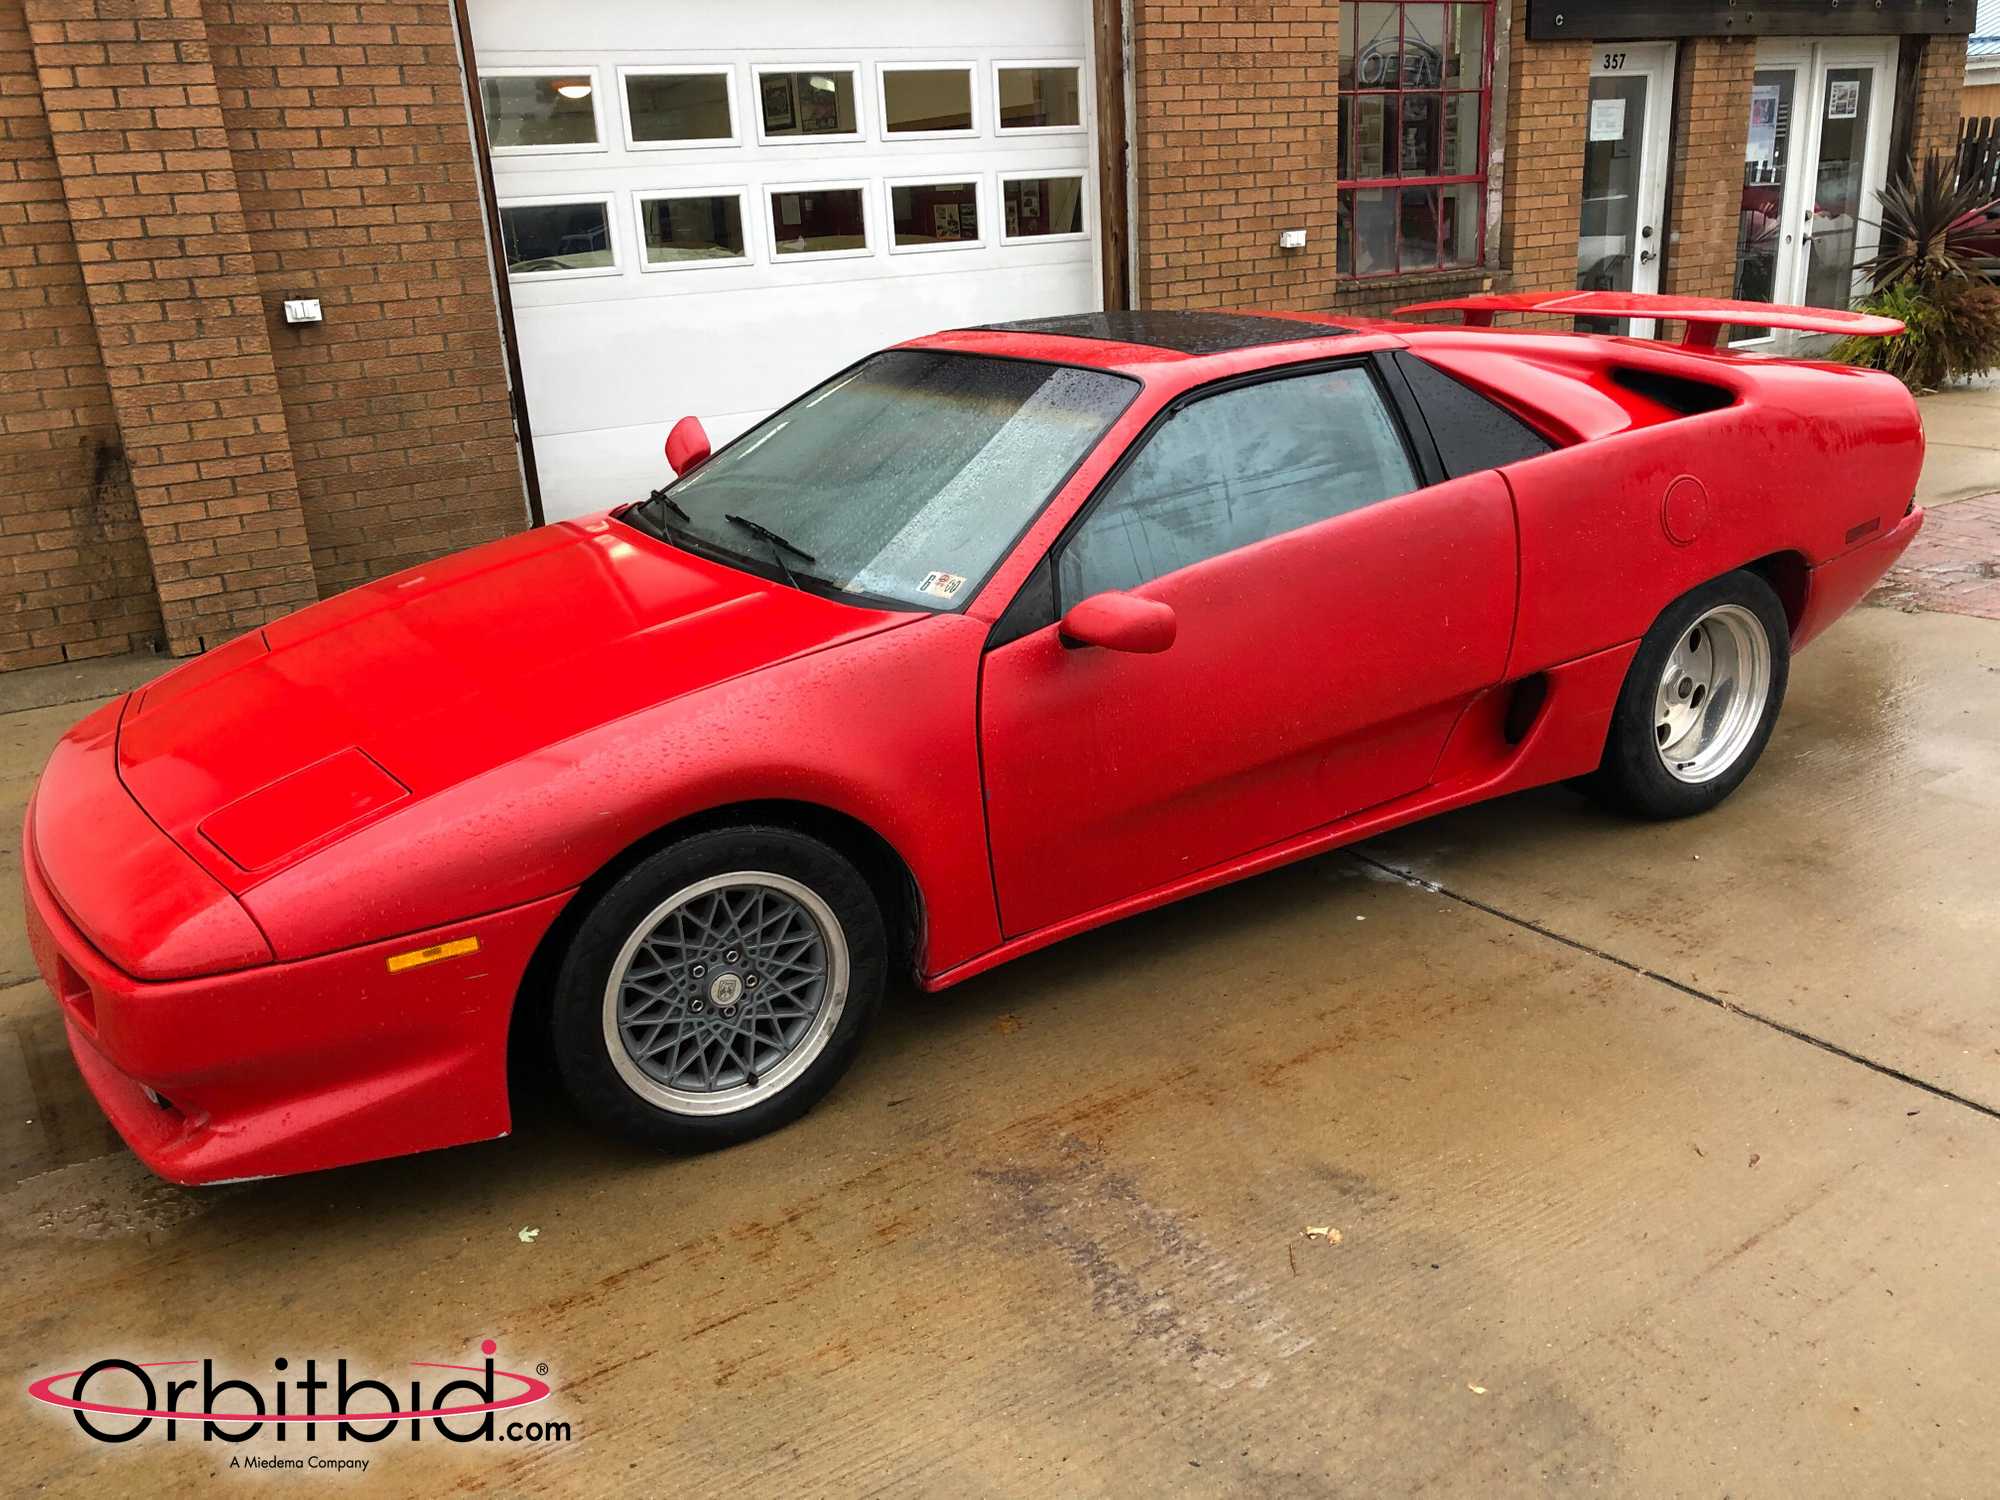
(1887, 1070)
(32, 708)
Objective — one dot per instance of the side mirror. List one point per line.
(1120, 622)
(687, 447)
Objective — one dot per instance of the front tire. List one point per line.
(719, 989)
(1699, 701)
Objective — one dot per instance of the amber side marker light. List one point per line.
(457, 948)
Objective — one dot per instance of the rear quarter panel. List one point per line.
(1811, 459)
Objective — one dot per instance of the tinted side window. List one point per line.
(1236, 468)
(1471, 432)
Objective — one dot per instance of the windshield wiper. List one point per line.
(780, 545)
(635, 515)
(661, 497)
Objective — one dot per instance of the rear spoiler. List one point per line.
(1705, 317)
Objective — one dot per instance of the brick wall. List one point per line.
(153, 203)
(1705, 195)
(1378, 299)
(348, 131)
(1548, 112)
(1236, 140)
(178, 462)
(1940, 82)
(74, 580)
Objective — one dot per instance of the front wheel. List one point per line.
(719, 989)
(1699, 701)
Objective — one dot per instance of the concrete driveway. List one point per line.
(1657, 1159)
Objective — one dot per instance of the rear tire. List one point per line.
(1699, 701)
(719, 989)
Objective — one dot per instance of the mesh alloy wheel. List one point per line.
(725, 993)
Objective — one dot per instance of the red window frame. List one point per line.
(1351, 184)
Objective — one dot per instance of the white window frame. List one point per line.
(555, 200)
(1005, 132)
(972, 92)
(1040, 174)
(552, 70)
(860, 72)
(981, 193)
(682, 70)
(800, 257)
(642, 196)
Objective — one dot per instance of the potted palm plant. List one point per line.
(1938, 234)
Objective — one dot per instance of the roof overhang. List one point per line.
(1643, 20)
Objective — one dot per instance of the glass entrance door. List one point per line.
(1841, 191)
(1624, 178)
(1764, 227)
(1815, 156)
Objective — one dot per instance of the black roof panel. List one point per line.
(1182, 332)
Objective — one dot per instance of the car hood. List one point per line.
(293, 736)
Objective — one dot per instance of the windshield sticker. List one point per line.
(942, 585)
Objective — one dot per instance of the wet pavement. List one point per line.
(1954, 563)
(1961, 437)
(1660, 1160)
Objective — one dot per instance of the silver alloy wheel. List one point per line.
(725, 992)
(1712, 693)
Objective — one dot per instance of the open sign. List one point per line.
(1407, 63)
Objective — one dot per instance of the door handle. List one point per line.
(1645, 256)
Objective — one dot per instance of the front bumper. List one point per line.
(291, 1067)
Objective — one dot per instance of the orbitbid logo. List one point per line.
(361, 1410)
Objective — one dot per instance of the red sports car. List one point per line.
(995, 636)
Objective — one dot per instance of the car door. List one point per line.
(1333, 618)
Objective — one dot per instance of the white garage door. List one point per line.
(707, 207)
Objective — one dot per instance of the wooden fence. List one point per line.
(1979, 153)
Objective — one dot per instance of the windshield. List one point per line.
(905, 478)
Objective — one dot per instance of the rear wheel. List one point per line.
(719, 989)
(1699, 701)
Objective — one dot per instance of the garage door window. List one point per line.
(808, 104)
(1235, 469)
(691, 230)
(1042, 207)
(827, 220)
(934, 215)
(541, 111)
(1040, 96)
(927, 101)
(684, 108)
(568, 237)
